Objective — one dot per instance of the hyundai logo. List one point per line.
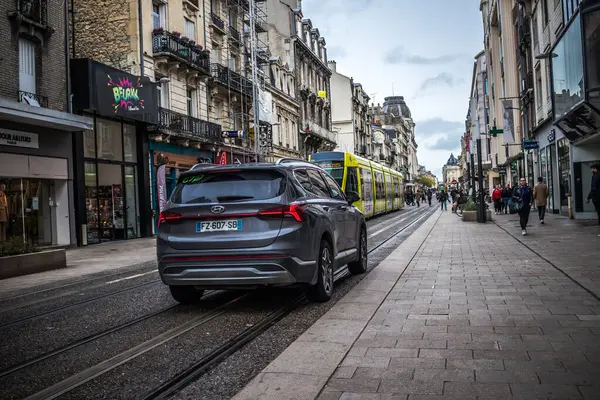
(217, 209)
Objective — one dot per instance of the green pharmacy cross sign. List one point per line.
(495, 131)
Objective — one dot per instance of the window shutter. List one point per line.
(27, 66)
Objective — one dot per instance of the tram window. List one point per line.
(367, 184)
(351, 180)
(380, 187)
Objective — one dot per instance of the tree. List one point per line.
(426, 181)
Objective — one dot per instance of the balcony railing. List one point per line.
(190, 126)
(234, 35)
(33, 99)
(317, 129)
(164, 42)
(227, 77)
(218, 22)
(35, 10)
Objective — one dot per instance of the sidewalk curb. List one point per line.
(303, 369)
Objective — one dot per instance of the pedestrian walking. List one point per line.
(506, 198)
(497, 199)
(540, 195)
(444, 200)
(418, 197)
(429, 196)
(523, 197)
(594, 194)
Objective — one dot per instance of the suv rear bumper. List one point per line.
(235, 272)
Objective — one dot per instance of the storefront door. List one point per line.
(554, 200)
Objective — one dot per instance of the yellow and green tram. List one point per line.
(380, 188)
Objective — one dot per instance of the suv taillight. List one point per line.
(167, 216)
(293, 210)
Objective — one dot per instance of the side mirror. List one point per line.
(352, 197)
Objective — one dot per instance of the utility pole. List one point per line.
(255, 85)
(481, 217)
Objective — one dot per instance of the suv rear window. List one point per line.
(228, 186)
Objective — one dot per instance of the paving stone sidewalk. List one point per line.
(88, 260)
(476, 315)
(571, 245)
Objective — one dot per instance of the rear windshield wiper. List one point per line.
(225, 198)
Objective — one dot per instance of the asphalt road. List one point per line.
(59, 337)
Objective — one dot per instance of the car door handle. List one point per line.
(342, 207)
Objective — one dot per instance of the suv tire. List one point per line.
(186, 294)
(362, 262)
(323, 289)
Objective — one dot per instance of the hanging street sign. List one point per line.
(233, 134)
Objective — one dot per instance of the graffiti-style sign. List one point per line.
(188, 180)
(125, 94)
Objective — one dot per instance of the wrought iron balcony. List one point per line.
(190, 127)
(182, 49)
(217, 22)
(33, 99)
(226, 77)
(234, 35)
(34, 10)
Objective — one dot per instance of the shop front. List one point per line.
(36, 174)
(553, 165)
(576, 103)
(111, 158)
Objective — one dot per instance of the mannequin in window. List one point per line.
(3, 213)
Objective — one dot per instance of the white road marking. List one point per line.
(130, 277)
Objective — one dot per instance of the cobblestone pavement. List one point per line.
(573, 246)
(476, 315)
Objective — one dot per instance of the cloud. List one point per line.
(334, 52)
(441, 79)
(398, 55)
(447, 142)
(433, 126)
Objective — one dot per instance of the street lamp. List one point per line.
(546, 56)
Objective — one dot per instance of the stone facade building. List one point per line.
(350, 117)
(313, 86)
(37, 129)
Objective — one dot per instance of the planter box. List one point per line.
(471, 216)
(32, 263)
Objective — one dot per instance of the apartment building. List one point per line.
(282, 89)
(349, 113)
(313, 85)
(37, 129)
(575, 86)
(480, 120)
(537, 61)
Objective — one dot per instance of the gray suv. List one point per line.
(253, 225)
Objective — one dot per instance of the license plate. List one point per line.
(219, 226)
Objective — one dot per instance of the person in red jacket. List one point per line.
(497, 199)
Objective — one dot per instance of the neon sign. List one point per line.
(125, 94)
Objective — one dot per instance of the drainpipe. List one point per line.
(141, 34)
(67, 57)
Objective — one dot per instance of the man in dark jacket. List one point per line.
(523, 195)
(594, 195)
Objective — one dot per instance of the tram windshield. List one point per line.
(333, 168)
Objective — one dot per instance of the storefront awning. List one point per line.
(44, 117)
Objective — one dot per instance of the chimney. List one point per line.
(332, 65)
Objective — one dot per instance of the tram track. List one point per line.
(194, 371)
(78, 303)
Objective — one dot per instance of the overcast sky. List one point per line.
(420, 49)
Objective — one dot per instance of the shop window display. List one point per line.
(111, 182)
(25, 211)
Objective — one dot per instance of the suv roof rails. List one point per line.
(290, 160)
